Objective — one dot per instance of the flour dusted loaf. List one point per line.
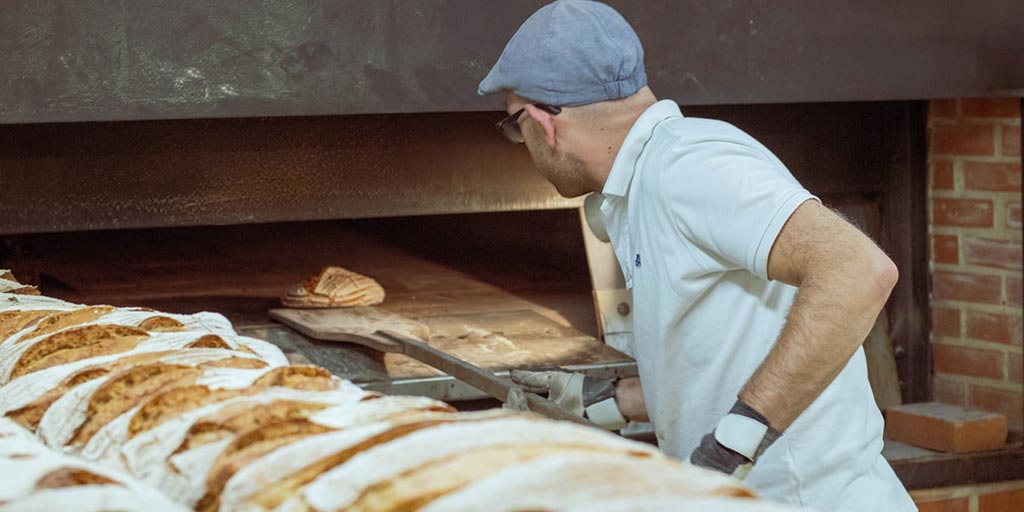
(335, 287)
(35, 478)
(106, 408)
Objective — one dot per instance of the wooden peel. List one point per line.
(352, 325)
(393, 333)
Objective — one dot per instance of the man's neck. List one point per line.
(608, 140)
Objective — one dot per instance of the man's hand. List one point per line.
(740, 439)
(576, 393)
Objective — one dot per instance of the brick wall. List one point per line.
(975, 227)
(998, 497)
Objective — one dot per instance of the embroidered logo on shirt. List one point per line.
(637, 260)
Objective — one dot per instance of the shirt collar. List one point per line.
(624, 166)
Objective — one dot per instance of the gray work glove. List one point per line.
(589, 397)
(735, 445)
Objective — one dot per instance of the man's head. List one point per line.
(584, 59)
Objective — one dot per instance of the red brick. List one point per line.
(1008, 403)
(1011, 140)
(1015, 368)
(997, 176)
(950, 392)
(964, 140)
(966, 287)
(943, 108)
(1014, 291)
(945, 427)
(994, 327)
(974, 213)
(947, 249)
(946, 322)
(991, 107)
(954, 505)
(1013, 219)
(1006, 501)
(942, 175)
(974, 362)
(988, 252)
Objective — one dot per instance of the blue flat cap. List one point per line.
(570, 53)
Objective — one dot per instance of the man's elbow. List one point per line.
(883, 274)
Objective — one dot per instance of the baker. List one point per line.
(750, 298)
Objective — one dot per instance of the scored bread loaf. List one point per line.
(36, 478)
(268, 481)
(161, 389)
(146, 452)
(92, 341)
(66, 346)
(8, 284)
(666, 503)
(566, 480)
(62, 319)
(26, 399)
(335, 287)
(466, 449)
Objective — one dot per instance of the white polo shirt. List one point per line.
(693, 207)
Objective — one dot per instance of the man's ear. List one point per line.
(545, 120)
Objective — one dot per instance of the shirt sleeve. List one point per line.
(730, 200)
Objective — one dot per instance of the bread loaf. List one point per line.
(9, 285)
(466, 449)
(335, 287)
(566, 480)
(41, 352)
(36, 478)
(26, 399)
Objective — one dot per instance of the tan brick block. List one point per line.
(944, 427)
(1015, 368)
(995, 327)
(971, 213)
(1006, 501)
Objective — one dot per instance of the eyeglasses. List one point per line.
(509, 127)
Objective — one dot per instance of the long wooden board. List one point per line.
(352, 325)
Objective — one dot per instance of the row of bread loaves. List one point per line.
(219, 421)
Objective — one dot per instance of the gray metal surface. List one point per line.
(69, 60)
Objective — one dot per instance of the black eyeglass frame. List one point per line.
(509, 126)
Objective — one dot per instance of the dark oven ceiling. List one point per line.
(147, 59)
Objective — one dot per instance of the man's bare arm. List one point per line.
(844, 281)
